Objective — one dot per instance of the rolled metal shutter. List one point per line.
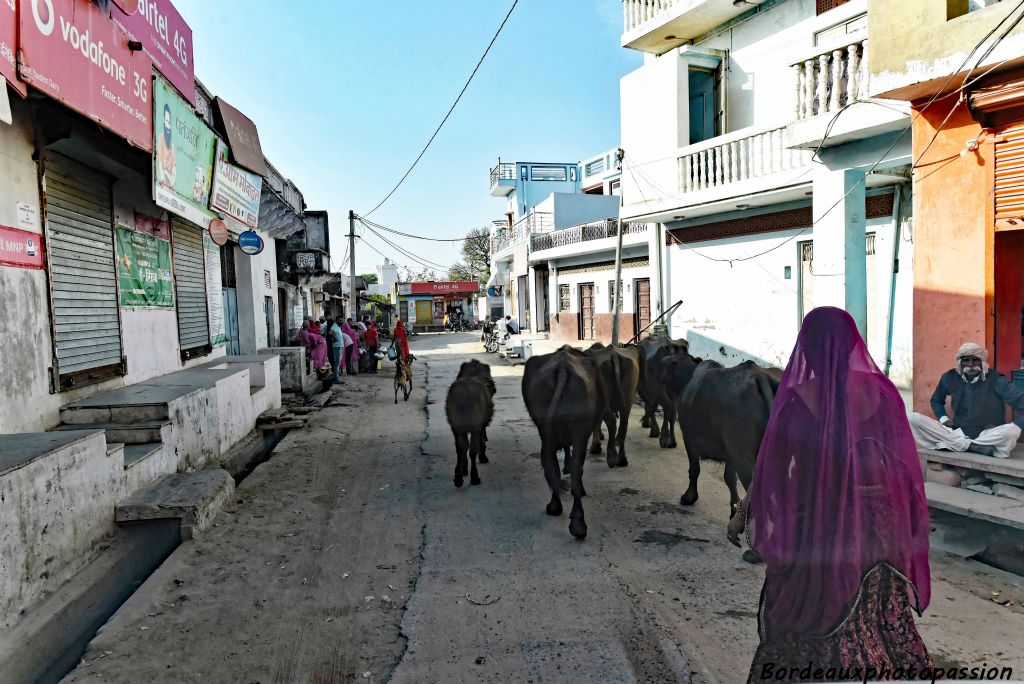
(190, 286)
(83, 279)
(1009, 168)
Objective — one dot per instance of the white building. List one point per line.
(387, 276)
(773, 184)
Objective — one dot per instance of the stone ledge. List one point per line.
(195, 498)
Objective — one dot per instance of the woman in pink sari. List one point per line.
(316, 347)
(837, 512)
(351, 352)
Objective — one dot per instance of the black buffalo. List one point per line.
(723, 413)
(470, 408)
(652, 389)
(620, 370)
(565, 396)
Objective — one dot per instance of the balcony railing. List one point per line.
(595, 230)
(502, 172)
(638, 12)
(534, 222)
(737, 157)
(829, 81)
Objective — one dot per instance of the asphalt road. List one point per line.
(350, 556)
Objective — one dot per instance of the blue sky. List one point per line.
(345, 93)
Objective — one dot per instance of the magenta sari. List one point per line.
(353, 352)
(316, 345)
(837, 495)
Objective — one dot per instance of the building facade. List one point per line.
(966, 92)
(772, 184)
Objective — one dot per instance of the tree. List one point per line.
(420, 276)
(370, 278)
(460, 272)
(476, 254)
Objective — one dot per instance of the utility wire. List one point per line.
(423, 261)
(409, 235)
(917, 115)
(450, 110)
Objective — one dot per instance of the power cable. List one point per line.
(409, 235)
(450, 110)
(401, 250)
(892, 146)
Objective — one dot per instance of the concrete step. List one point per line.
(194, 498)
(134, 453)
(140, 432)
(993, 509)
(1012, 467)
(125, 413)
(113, 448)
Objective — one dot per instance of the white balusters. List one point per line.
(836, 86)
(637, 12)
(826, 83)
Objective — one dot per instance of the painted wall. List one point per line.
(252, 288)
(908, 66)
(953, 264)
(527, 194)
(574, 209)
(749, 310)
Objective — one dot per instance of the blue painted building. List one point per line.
(526, 184)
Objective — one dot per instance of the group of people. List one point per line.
(837, 509)
(336, 345)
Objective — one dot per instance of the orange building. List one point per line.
(961, 66)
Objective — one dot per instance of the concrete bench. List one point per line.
(1012, 467)
(993, 509)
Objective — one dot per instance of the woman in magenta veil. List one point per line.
(837, 512)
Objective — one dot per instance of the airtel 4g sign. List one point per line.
(71, 51)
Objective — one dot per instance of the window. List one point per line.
(563, 297)
(826, 5)
(548, 173)
(958, 8)
(595, 167)
(611, 299)
(522, 172)
(833, 34)
(572, 173)
(615, 187)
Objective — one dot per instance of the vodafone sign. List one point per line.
(71, 51)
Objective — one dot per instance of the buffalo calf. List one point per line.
(469, 407)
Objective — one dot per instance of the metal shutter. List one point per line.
(190, 285)
(83, 280)
(1009, 167)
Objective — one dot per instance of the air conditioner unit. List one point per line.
(319, 297)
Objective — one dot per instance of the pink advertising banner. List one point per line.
(165, 37)
(9, 45)
(73, 52)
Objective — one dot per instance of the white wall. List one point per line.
(750, 310)
(252, 288)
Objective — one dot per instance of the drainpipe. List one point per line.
(897, 219)
(617, 295)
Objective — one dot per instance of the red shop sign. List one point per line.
(73, 52)
(443, 288)
(8, 47)
(165, 37)
(20, 248)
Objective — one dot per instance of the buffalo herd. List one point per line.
(571, 393)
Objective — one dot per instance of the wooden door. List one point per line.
(642, 305)
(586, 331)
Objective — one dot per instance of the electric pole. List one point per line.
(617, 294)
(353, 297)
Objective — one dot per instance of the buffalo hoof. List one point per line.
(645, 422)
(595, 448)
(578, 528)
(655, 432)
(484, 459)
(458, 481)
(474, 480)
(752, 557)
(688, 499)
(665, 442)
(554, 508)
(623, 462)
(613, 461)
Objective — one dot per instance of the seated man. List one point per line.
(511, 326)
(979, 398)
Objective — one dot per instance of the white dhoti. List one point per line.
(931, 434)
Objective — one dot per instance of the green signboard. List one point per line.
(183, 148)
(144, 270)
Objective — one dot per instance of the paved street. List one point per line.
(350, 556)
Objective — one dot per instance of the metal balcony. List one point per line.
(503, 179)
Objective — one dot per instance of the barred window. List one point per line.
(611, 298)
(563, 297)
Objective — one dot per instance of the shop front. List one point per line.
(426, 304)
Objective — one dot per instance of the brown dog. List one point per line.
(403, 377)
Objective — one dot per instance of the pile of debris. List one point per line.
(295, 412)
(980, 481)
